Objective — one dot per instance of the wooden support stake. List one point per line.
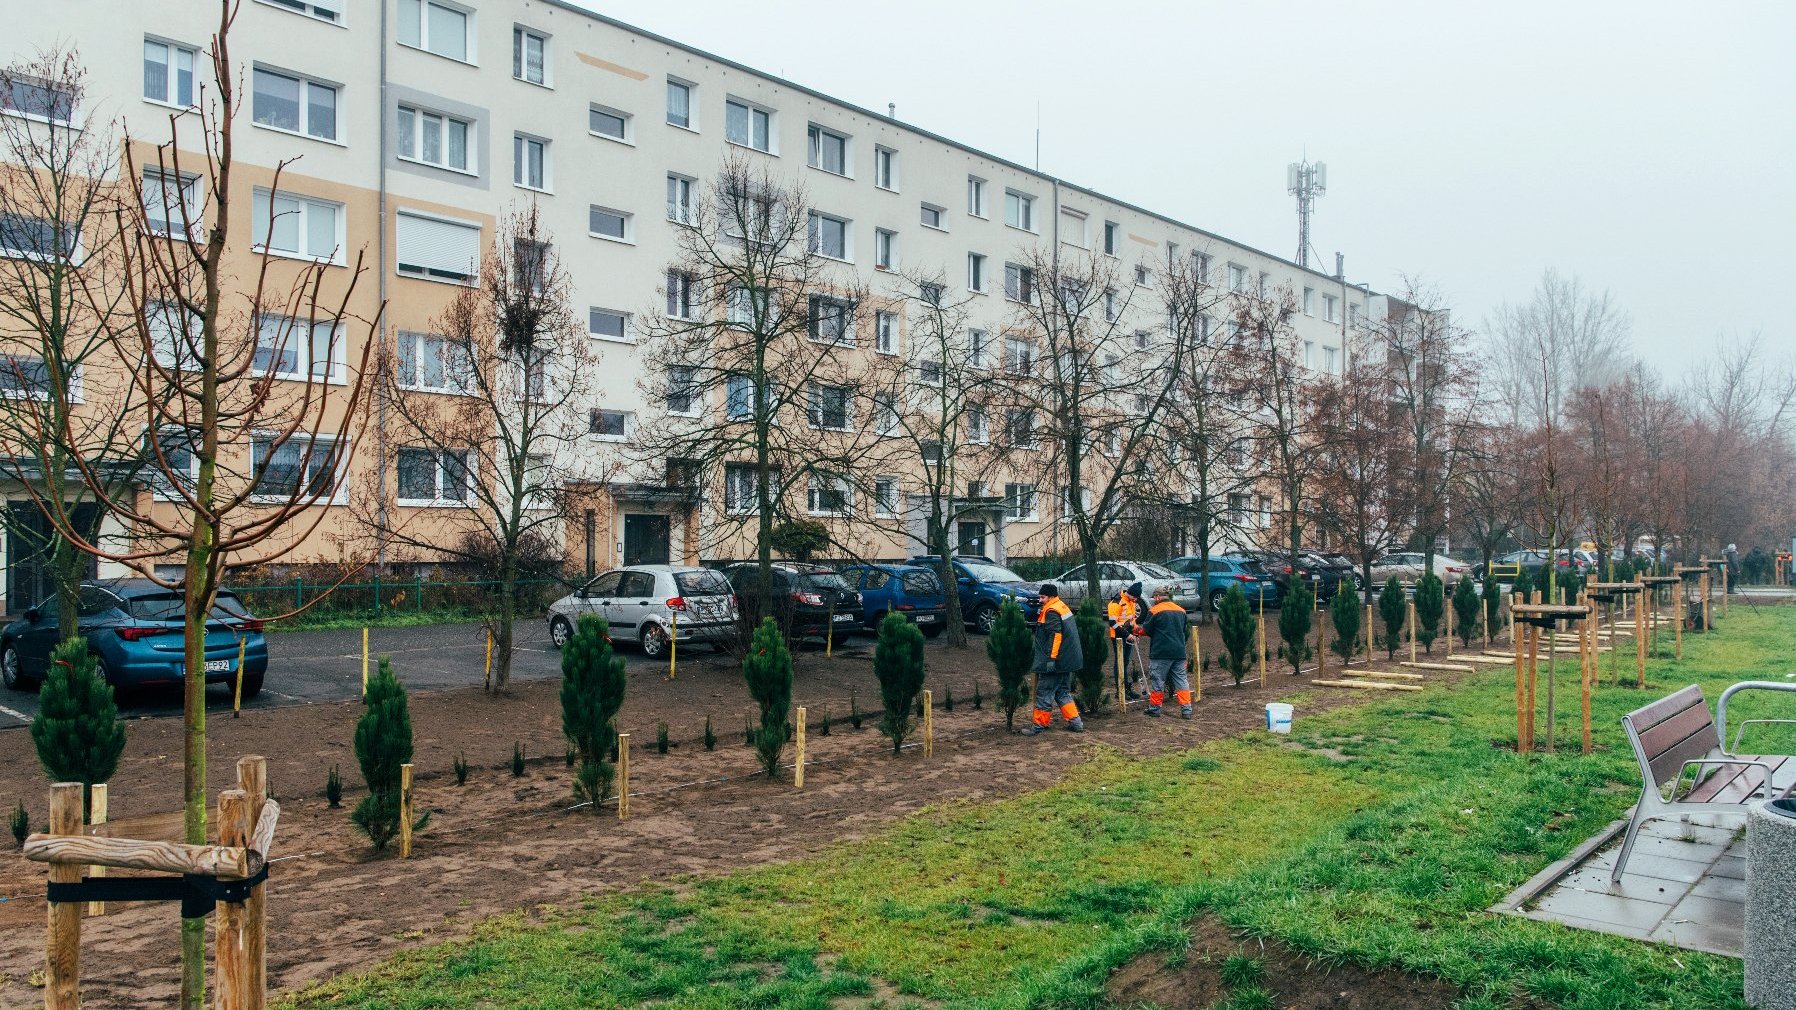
(1385, 675)
(488, 685)
(405, 811)
(928, 723)
(95, 817)
(1706, 627)
(1367, 685)
(1534, 633)
(623, 776)
(1723, 590)
(1122, 696)
(1677, 610)
(252, 778)
(1262, 639)
(1585, 659)
(489, 659)
(798, 741)
(164, 857)
(228, 950)
(673, 645)
(1521, 735)
(1640, 634)
(1322, 645)
(1412, 630)
(62, 943)
(1368, 634)
(1197, 667)
(1449, 609)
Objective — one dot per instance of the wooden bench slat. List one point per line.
(1666, 707)
(1696, 745)
(1731, 784)
(1656, 740)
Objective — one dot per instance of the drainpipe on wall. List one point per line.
(380, 471)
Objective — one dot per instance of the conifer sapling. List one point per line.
(1295, 618)
(1392, 605)
(76, 731)
(1431, 606)
(20, 823)
(1238, 627)
(767, 669)
(898, 665)
(710, 735)
(333, 788)
(1010, 647)
(383, 742)
(1465, 611)
(1344, 614)
(1094, 638)
(592, 691)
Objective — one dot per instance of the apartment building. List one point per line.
(405, 129)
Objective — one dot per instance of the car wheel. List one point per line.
(984, 618)
(252, 684)
(1216, 596)
(10, 672)
(879, 617)
(560, 631)
(654, 641)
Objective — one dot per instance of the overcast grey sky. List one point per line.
(1647, 147)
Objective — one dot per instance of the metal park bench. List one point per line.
(1685, 769)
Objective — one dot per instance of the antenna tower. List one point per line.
(1306, 180)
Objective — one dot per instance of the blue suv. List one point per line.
(984, 584)
(911, 590)
(1231, 570)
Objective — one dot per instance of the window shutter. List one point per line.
(438, 248)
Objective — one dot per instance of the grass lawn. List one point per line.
(1376, 835)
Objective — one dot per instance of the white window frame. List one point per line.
(885, 249)
(691, 92)
(976, 201)
(627, 137)
(1022, 503)
(470, 30)
(328, 11)
(440, 482)
(741, 488)
(979, 345)
(813, 327)
(1075, 228)
(885, 496)
(306, 84)
(979, 426)
(418, 339)
(1309, 301)
(171, 73)
(978, 279)
(1019, 355)
(419, 114)
(1112, 237)
(816, 485)
(192, 199)
(8, 109)
(339, 494)
(939, 213)
(308, 205)
(629, 425)
(521, 144)
(814, 236)
(626, 337)
(885, 169)
(731, 384)
(886, 421)
(1013, 414)
(814, 136)
(629, 224)
(680, 210)
(335, 352)
(520, 64)
(1331, 308)
(426, 274)
(688, 385)
(9, 372)
(1237, 278)
(885, 332)
(1025, 211)
(1025, 277)
(1144, 276)
(681, 289)
(750, 111)
(155, 475)
(814, 406)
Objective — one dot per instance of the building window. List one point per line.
(978, 426)
(434, 363)
(434, 27)
(1329, 362)
(294, 104)
(432, 477)
(679, 294)
(1112, 307)
(976, 196)
(169, 460)
(885, 168)
(295, 468)
(1237, 277)
(1072, 228)
(931, 294)
(1019, 283)
(1309, 301)
(608, 324)
(283, 342)
(603, 222)
(530, 264)
(1019, 429)
(1019, 502)
(738, 398)
(1201, 262)
(179, 350)
(1112, 371)
(885, 332)
(679, 104)
(1112, 234)
(829, 407)
(168, 73)
(829, 236)
(829, 495)
(437, 249)
(1353, 314)
(828, 151)
(1019, 356)
(885, 413)
(1019, 210)
(679, 199)
(1144, 278)
(681, 395)
(1264, 287)
(608, 425)
(885, 496)
(608, 122)
(331, 11)
(934, 217)
(1075, 501)
(434, 139)
(530, 162)
(741, 488)
(170, 202)
(975, 272)
(24, 377)
(1331, 308)
(978, 344)
(37, 100)
(929, 372)
(294, 225)
(829, 320)
(1142, 337)
(747, 126)
(885, 249)
(529, 56)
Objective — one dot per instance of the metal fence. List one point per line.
(324, 600)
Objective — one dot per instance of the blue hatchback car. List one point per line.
(1230, 570)
(910, 590)
(133, 628)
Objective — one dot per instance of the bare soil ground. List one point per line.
(501, 843)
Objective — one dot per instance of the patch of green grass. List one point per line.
(1388, 861)
(1240, 971)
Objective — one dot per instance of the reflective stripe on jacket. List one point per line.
(1166, 629)
(1057, 648)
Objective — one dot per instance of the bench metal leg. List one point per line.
(1635, 821)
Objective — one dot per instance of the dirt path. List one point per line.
(501, 843)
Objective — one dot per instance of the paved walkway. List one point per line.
(1685, 885)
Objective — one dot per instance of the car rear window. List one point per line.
(704, 583)
(921, 583)
(822, 580)
(172, 607)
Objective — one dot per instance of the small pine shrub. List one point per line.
(1238, 626)
(854, 712)
(661, 743)
(978, 702)
(592, 691)
(1295, 619)
(383, 742)
(1522, 586)
(77, 731)
(1392, 607)
(1493, 606)
(333, 788)
(1010, 647)
(20, 822)
(460, 767)
(710, 735)
(1344, 613)
(898, 665)
(947, 699)
(823, 727)
(1465, 611)
(1094, 639)
(517, 759)
(768, 671)
(1431, 607)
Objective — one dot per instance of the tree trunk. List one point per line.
(940, 546)
(508, 612)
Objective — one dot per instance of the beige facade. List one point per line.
(445, 116)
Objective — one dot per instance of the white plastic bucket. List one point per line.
(1278, 717)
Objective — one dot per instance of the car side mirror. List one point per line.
(32, 615)
(580, 594)
(965, 580)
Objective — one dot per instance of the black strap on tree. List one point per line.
(197, 892)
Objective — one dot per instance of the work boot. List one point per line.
(1131, 694)
(1077, 725)
(1153, 710)
(1185, 712)
(1033, 729)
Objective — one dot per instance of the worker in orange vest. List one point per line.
(1058, 655)
(1166, 628)
(1125, 615)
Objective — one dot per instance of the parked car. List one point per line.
(911, 590)
(1329, 576)
(1114, 576)
(1228, 571)
(133, 629)
(1282, 569)
(649, 605)
(1347, 567)
(984, 584)
(1408, 566)
(809, 599)
(1531, 561)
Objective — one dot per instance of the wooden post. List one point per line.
(405, 811)
(96, 816)
(1677, 613)
(798, 740)
(1262, 627)
(62, 943)
(488, 685)
(928, 723)
(1196, 665)
(1449, 609)
(1723, 590)
(1368, 634)
(1411, 622)
(1640, 632)
(1586, 643)
(252, 778)
(829, 634)
(673, 645)
(489, 647)
(1705, 603)
(1322, 644)
(1533, 670)
(237, 690)
(623, 776)
(1122, 696)
(1521, 735)
(230, 966)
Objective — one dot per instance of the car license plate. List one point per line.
(925, 618)
(218, 665)
(846, 617)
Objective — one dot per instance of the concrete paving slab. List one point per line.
(1626, 913)
(1725, 888)
(1596, 879)
(1684, 871)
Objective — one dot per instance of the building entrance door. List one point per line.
(648, 539)
(29, 543)
(972, 539)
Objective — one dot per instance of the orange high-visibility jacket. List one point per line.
(1057, 648)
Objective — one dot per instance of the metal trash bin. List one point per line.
(1771, 906)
